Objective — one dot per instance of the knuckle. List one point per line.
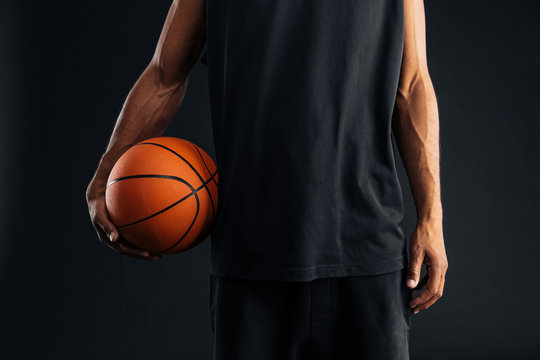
(416, 255)
(102, 218)
(99, 225)
(97, 216)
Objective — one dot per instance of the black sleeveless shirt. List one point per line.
(301, 96)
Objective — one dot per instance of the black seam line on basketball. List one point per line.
(191, 166)
(191, 225)
(204, 162)
(147, 176)
(157, 213)
(193, 191)
(189, 228)
(170, 206)
(171, 177)
(212, 177)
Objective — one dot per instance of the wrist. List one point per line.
(98, 183)
(96, 187)
(434, 217)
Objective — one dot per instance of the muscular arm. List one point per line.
(158, 93)
(416, 130)
(150, 105)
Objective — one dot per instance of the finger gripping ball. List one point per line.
(162, 195)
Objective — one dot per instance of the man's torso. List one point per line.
(301, 95)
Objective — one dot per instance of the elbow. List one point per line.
(411, 86)
(167, 79)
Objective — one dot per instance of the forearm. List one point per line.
(147, 111)
(416, 130)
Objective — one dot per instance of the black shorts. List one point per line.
(354, 317)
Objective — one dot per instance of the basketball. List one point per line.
(161, 195)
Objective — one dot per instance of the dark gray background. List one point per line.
(66, 68)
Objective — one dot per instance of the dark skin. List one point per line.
(158, 93)
(149, 108)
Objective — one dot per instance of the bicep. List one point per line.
(414, 63)
(181, 40)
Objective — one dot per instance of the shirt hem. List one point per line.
(309, 274)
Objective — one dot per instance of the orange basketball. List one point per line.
(162, 195)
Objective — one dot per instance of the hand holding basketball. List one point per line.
(162, 195)
(160, 198)
(104, 227)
